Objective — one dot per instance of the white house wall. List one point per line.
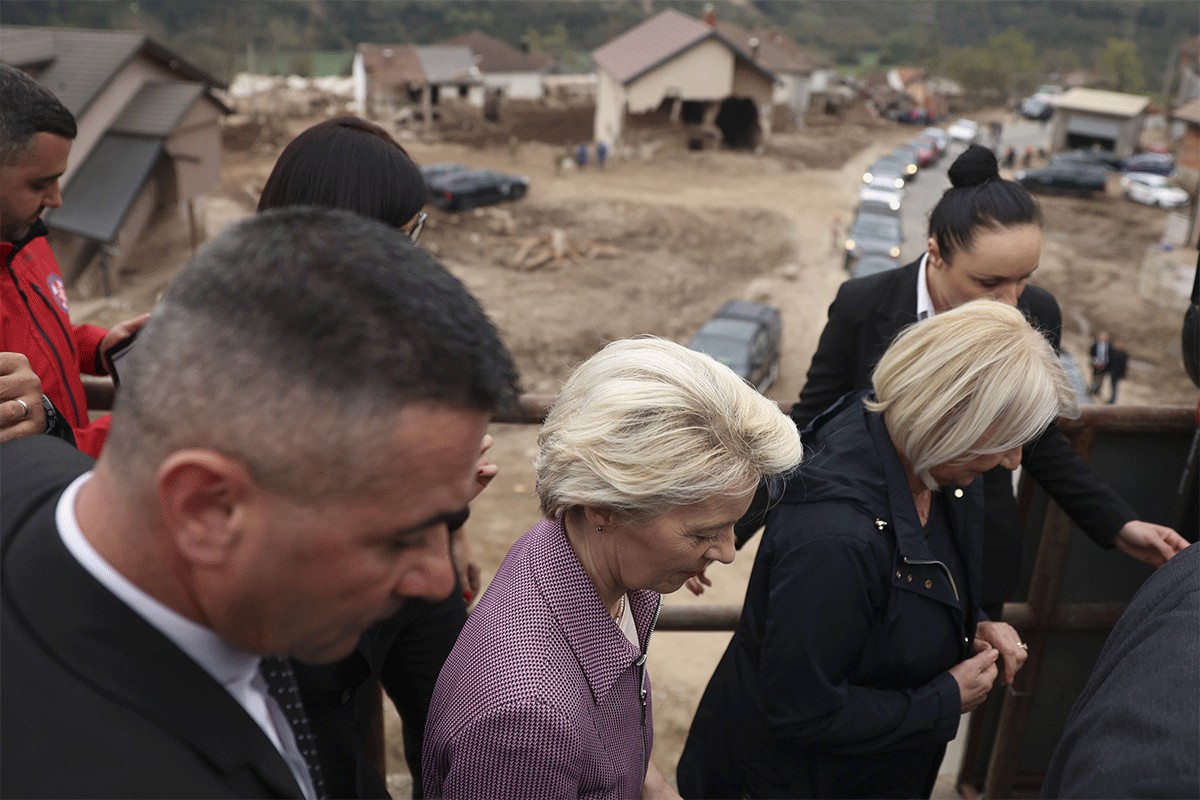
(610, 109)
(516, 85)
(705, 72)
(750, 83)
(195, 150)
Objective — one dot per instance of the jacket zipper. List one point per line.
(640, 663)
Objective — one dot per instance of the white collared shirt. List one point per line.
(232, 667)
(925, 308)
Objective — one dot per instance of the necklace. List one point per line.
(620, 609)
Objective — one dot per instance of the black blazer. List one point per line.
(95, 702)
(864, 318)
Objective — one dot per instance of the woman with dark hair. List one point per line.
(985, 240)
(352, 164)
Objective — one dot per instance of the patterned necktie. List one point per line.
(282, 685)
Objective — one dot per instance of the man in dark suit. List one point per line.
(864, 318)
(296, 424)
(1118, 367)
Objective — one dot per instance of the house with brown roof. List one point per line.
(680, 69)
(391, 79)
(800, 72)
(148, 142)
(516, 74)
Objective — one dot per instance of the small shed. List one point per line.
(393, 78)
(1086, 118)
(516, 74)
(682, 70)
(148, 139)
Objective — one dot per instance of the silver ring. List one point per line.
(1023, 646)
(24, 409)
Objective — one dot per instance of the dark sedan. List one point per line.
(745, 337)
(873, 233)
(1153, 163)
(458, 188)
(1066, 176)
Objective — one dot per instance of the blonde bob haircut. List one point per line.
(646, 426)
(976, 380)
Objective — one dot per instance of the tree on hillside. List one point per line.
(1014, 57)
(1119, 66)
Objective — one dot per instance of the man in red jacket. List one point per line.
(36, 132)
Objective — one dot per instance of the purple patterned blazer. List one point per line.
(542, 696)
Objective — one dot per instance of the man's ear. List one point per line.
(204, 496)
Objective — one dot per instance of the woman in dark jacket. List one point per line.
(861, 642)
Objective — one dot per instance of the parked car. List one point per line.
(873, 264)
(882, 192)
(1066, 175)
(908, 155)
(887, 169)
(964, 130)
(745, 337)
(874, 201)
(1105, 159)
(938, 137)
(1153, 190)
(927, 151)
(468, 188)
(1036, 108)
(434, 174)
(873, 233)
(1156, 163)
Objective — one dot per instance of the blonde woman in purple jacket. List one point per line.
(648, 457)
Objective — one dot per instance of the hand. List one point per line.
(464, 564)
(1007, 641)
(18, 381)
(696, 585)
(1145, 541)
(484, 470)
(976, 675)
(655, 787)
(122, 331)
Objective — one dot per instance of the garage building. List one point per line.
(1087, 118)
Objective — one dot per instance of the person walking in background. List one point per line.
(353, 164)
(648, 456)
(36, 132)
(601, 154)
(1118, 366)
(1098, 357)
(299, 421)
(581, 156)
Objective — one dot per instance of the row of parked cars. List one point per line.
(1145, 176)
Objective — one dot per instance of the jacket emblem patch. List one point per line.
(59, 291)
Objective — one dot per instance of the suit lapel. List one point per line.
(109, 646)
(895, 309)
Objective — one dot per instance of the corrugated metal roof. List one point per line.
(82, 62)
(497, 56)
(101, 193)
(21, 49)
(392, 64)
(645, 46)
(1098, 101)
(157, 108)
(448, 64)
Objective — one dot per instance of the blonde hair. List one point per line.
(646, 426)
(975, 380)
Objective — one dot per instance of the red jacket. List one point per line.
(37, 323)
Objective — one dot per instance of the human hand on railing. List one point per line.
(697, 583)
(1007, 641)
(1145, 541)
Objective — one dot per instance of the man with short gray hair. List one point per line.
(296, 423)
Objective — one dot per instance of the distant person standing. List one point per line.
(1098, 354)
(581, 156)
(1010, 157)
(1118, 366)
(601, 154)
(835, 234)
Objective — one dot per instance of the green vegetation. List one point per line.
(1006, 46)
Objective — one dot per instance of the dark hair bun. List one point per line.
(976, 166)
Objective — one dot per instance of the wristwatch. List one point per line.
(56, 426)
